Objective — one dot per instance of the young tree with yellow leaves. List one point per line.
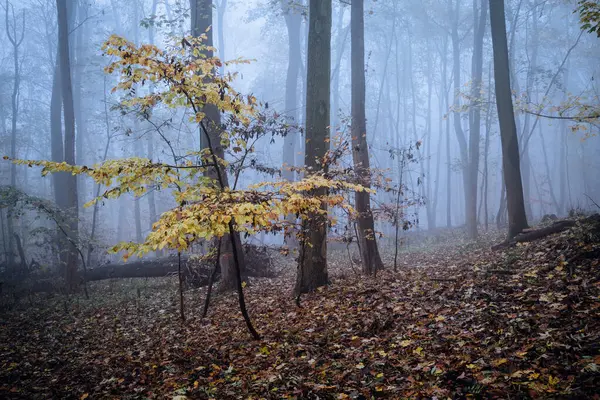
(183, 77)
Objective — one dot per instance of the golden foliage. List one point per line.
(184, 77)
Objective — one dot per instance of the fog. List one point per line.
(412, 96)
(391, 199)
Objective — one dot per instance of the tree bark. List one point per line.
(16, 39)
(201, 21)
(69, 144)
(458, 129)
(447, 133)
(312, 268)
(517, 220)
(486, 151)
(431, 197)
(80, 9)
(371, 260)
(479, 16)
(340, 44)
(530, 236)
(221, 8)
(153, 214)
(292, 22)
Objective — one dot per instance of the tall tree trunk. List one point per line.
(79, 99)
(340, 44)
(371, 259)
(139, 150)
(525, 158)
(312, 266)
(384, 74)
(431, 198)
(301, 143)
(445, 88)
(16, 39)
(458, 129)
(59, 179)
(293, 21)
(221, 8)
(153, 214)
(69, 144)
(549, 172)
(438, 164)
(563, 154)
(201, 21)
(486, 148)
(98, 186)
(517, 220)
(479, 20)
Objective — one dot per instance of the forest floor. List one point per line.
(456, 320)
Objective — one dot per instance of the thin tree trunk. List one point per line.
(340, 44)
(16, 39)
(371, 259)
(136, 131)
(563, 153)
(458, 129)
(201, 21)
(79, 99)
(479, 17)
(98, 186)
(152, 213)
(445, 85)
(517, 220)
(431, 200)
(69, 146)
(221, 9)
(384, 74)
(548, 172)
(293, 22)
(488, 127)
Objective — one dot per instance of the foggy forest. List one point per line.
(299, 199)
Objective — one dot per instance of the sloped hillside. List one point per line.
(459, 321)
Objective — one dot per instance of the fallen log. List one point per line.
(197, 272)
(534, 234)
(559, 226)
(151, 268)
(556, 227)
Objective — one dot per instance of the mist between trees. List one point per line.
(171, 130)
(195, 139)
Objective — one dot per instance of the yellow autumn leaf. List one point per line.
(499, 362)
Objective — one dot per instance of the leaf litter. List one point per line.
(456, 321)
